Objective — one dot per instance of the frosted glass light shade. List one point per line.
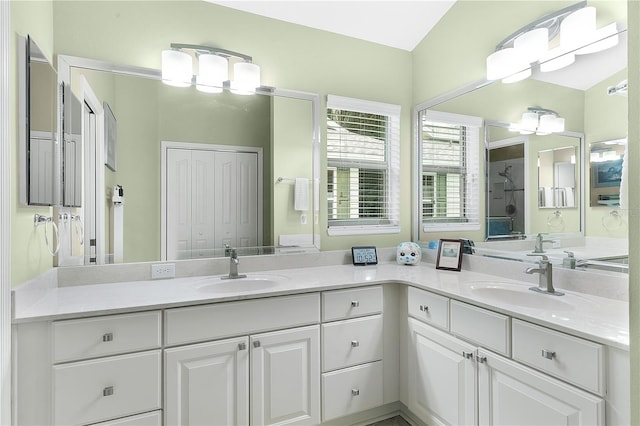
(213, 71)
(578, 28)
(604, 38)
(529, 121)
(547, 123)
(504, 63)
(532, 44)
(246, 78)
(556, 59)
(558, 125)
(177, 68)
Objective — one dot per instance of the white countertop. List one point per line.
(596, 318)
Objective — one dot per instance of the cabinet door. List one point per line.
(208, 384)
(512, 394)
(285, 377)
(442, 376)
(226, 210)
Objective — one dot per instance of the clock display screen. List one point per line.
(364, 255)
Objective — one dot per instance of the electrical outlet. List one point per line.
(163, 270)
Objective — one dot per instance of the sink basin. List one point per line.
(519, 295)
(239, 285)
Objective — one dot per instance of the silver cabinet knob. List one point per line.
(355, 303)
(355, 343)
(107, 337)
(424, 308)
(467, 355)
(548, 354)
(256, 344)
(481, 359)
(108, 391)
(355, 392)
(242, 346)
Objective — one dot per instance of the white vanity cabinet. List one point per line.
(352, 342)
(265, 378)
(506, 370)
(442, 376)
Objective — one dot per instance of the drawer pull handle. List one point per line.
(548, 354)
(355, 392)
(355, 303)
(355, 343)
(107, 337)
(242, 346)
(467, 355)
(256, 344)
(424, 308)
(481, 359)
(108, 391)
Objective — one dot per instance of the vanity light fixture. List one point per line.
(574, 27)
(213, 69)
(540, 121)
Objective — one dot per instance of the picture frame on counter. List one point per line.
(449, 255)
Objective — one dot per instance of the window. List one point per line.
(363, 166)
(450, 169)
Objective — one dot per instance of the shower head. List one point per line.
(505, 173)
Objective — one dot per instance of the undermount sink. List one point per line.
(520, 295)
(238, 285)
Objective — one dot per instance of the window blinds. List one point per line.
(450, 171)
(363, 139)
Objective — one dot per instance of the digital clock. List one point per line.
(364, 255)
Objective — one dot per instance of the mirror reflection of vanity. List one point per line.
(158, 124)
(543, 183)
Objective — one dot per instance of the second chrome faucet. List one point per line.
(233, 266)
(545, 279)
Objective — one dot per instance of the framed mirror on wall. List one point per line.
(37, 106)
(279, 125)
(606, 161)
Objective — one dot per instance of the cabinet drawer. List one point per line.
(109, 335)
(209, 322)
(351, 342)
(486, 328)
(569, 358)
(106, 388)
(351, 390)
(356, 302)
(147, 419)
(428, 307)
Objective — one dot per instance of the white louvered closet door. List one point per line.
(178, 204)
(226, 192)
(202, 204)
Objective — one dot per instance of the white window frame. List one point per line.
(393, 165)
(472, 189)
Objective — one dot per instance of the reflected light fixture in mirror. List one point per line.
(575, 26)
(213, 69)
(540, 121)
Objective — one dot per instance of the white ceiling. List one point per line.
(400, 24)
(403, 24)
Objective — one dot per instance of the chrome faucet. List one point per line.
(539, 242)
(233, 266)
(545, 279)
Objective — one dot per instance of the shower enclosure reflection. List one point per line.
(506, 212)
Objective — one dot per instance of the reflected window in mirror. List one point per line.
(449, 171)
(363, 166)
(606, 161)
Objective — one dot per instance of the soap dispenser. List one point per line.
(569, 261)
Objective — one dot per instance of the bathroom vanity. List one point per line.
(331, 345)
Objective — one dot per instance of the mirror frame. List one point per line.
(65, 62)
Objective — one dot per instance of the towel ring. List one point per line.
(79, 228)
(40, 219)
(555, 222)
(612, 221)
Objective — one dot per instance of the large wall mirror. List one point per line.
(542, 182)
(37, 128)
(195, 173)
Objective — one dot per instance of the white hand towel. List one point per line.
(548, 196)
(570, 197)
(301, 195)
